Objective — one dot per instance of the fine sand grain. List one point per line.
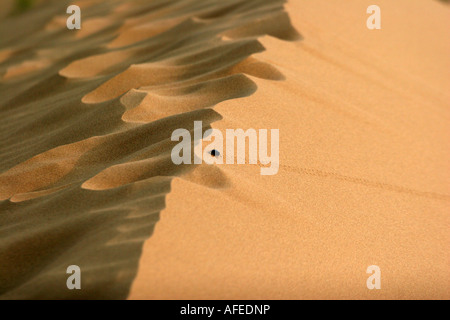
(86, 176)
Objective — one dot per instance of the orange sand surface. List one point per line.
(86, 176)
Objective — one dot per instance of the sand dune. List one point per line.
(85, 167)
(88, 116)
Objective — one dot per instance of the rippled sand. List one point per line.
(86, 174)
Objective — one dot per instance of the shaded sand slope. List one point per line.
(364, 177)
(85, 124)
